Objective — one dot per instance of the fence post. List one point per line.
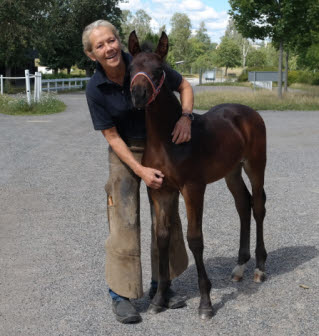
(27, 85)
(35, 88)
(40, 84)
(1, 84)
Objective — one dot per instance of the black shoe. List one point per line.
(125, 312)
(174, 300)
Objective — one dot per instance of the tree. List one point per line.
(85, 12)
(179, 38)
(60, 40)
(284, 21)
(140, 22)
(228, 54)
(56, 43)
(18, 20)
(256, 58)
(202, 36)
(243, 43)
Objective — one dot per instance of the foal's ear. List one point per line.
(162, 47)
(133, 45)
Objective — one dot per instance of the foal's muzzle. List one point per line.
(139, 93)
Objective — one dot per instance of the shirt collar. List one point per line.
(100, 75)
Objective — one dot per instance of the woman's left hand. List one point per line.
(182, 130)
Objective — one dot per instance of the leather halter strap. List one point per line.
(156, 90)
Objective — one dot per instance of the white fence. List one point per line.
(46, 84)
(37, 85)
(63, 84)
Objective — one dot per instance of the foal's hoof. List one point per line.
(259, 276)
(205, 313)
(238, 273)
(154, 309)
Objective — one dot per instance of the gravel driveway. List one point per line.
(53, 226)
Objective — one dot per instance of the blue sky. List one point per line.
(212, 12)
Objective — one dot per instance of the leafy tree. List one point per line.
(179, 38)
(243, 43)
(17, 25)
(56, 43)
(284, 21)
(140, 22)
(256, 58)
(202, 36)
(228, 54)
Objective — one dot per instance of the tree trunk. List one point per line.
(286, 72)
(69, 70)
(8, 72)
(280, 71)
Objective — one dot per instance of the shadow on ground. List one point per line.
(280, 261)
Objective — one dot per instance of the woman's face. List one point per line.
(106, 49)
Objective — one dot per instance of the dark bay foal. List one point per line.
(225, 139)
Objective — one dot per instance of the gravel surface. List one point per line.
(53, 227)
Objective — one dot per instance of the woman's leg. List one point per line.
(123, 263)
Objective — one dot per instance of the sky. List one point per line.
(212, 12)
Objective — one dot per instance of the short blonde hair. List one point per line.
(87, 47)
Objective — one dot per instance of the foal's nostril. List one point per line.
(139, 96)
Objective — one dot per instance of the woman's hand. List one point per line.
(153, 178)
(182, 130)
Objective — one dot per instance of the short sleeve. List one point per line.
(173, 78)
(100, 117)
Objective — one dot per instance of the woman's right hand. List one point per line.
(153, 178)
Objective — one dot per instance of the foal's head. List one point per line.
(147, 74)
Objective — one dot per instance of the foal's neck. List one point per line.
(162, 115)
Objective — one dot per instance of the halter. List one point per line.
(156, 90)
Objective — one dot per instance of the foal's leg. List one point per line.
(194, 198)
(163, 203)
(242, 197)
(255, 170)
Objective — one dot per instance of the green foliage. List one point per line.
(61, 75)
(179, 38)
(202, 36)
(228, 54)
(18, 105)
(256, 58)
(140, 22)
(17, 22)
(303, 77)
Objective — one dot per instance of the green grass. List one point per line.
(18, 105)
(259, 100)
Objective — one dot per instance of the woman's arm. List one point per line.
(182, 129)
(153, 178)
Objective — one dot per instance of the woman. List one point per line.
(109, 101)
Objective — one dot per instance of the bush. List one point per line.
(295, 76)
(243, 77)
(60, 75)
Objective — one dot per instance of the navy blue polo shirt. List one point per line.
(110, 103)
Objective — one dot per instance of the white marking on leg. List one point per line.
(259, 276)
(238, 272)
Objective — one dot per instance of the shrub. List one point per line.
(60, 75)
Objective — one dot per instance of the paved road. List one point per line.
(53, 225)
